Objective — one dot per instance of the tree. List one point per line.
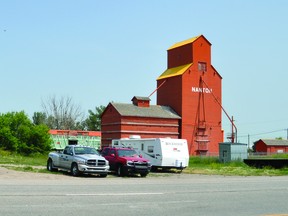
(39, 118)
(18, 133)
(93, 122)
(62, 113)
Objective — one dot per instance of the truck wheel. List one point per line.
(50, 166)
(143, 174)
(120, 170)
(103, 175)
(74, 170)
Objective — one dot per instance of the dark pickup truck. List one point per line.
(126, 161)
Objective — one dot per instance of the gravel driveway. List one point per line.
(12, 174)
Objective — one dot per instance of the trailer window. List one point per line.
(150, 149)
(142, 146)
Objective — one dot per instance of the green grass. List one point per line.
(212, 166)
(12, 158)
(282, 156)
(33, 163)
(197, 165)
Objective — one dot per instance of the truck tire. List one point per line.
(143, 174)
(50, 166)
(103, 175)
(74, 170)
(120, 171)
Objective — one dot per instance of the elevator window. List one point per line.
(202, 66)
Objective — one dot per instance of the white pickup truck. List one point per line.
(77, 160)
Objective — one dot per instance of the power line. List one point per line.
(264, 133)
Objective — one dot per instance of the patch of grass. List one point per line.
(26, 168)
(282, 156)
(212, 166)
(16, 159)
(285, 156)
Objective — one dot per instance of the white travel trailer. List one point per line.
(165, 153)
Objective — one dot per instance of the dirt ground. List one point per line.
(7, 174)
(12, 174)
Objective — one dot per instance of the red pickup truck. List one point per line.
(126, 161)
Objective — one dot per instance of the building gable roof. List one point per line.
(141, 98)
(180, 70)
(176, 71)
(188, 41)
(274, 142)
(154, 111)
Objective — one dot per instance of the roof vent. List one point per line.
(141, 101)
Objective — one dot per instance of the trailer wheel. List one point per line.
(154, 169)
(74, 170)
(50, 166)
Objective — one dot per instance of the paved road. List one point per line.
(174, 194)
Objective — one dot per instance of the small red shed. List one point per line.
(271, 146)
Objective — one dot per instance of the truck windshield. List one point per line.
(85, 150)
(127, 153)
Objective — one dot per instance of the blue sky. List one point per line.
(100, 51)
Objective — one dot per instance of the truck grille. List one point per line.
(140, 165)
(101, 162)
(95, 163)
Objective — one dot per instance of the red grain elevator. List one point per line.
(193, 88)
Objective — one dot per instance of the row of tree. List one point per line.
(63, 114)
(18, 133)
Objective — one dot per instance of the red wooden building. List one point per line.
(193, 88)
(188, 98)
(120, 120)
(271, 146)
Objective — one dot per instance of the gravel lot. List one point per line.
(6, 174)
(12, 174)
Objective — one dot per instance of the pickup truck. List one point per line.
(126, 161)
(77, 160)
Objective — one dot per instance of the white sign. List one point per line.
(204, 90)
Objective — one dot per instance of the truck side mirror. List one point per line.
(140, 156)
(112, 155)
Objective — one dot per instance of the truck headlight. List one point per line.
(81, 162)
(129, 163)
